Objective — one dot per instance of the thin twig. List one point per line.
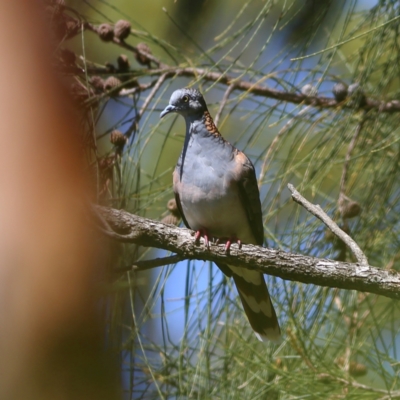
(146, 103)
(134, 125)
(267, 159)
(227, 93)
(317, 211)
(296, 346)
(327, 376)
(352, 144)
(359, 385)
(140, 88)
(392, 395)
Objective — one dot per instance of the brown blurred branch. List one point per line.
(131, 228)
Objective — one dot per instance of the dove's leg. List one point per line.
(229, 241)
(204, 234)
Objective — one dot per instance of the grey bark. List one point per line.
(130, 228)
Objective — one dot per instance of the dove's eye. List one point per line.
(185, 98)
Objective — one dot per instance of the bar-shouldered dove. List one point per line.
(217, 195)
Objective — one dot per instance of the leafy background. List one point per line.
(179, 330)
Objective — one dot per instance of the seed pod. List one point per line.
(173, 208)
(340, 91)
(357, 369)
(123, 63)
(170, 219)
(111, 82)
(350, 210)
(117, 138)
(106, 32)
(110, 67)
(309, 90)
(122, 29)
(140, 58)
(356, 95)
(98, 83)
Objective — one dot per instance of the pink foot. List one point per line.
(229, 241)
(204, 234)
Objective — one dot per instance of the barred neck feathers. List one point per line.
(209, 123)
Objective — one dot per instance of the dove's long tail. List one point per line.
(257, 303)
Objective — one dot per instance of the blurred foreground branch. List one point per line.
(131, 228)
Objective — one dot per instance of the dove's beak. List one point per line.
(169, 109)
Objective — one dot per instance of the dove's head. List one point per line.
(187, 102)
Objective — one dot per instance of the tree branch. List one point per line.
(296, 267)
(233, 83)
(390, 106)
(320, 214)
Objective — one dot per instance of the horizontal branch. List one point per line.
(266, 91)
(170, 71)
(295, 267)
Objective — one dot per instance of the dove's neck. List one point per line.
(202, 138)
